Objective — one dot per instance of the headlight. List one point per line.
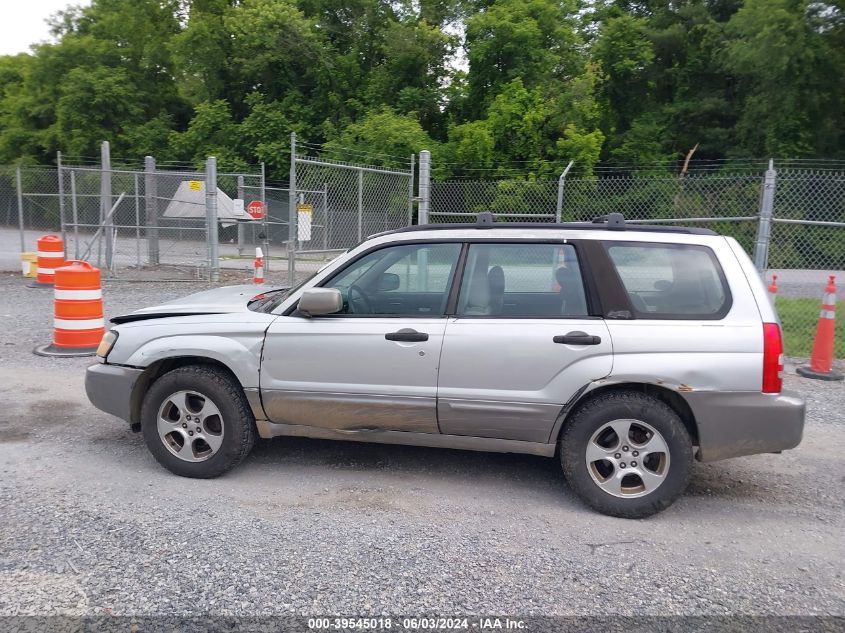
(109, 339)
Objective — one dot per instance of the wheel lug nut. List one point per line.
(622, 465)
(184, 426)
(618, 455)
(635, 453)
(633, 464)
(625, 448)
(199, 430)
(190, 432)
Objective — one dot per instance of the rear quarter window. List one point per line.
(671, 281)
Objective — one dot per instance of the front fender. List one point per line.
(241, 355)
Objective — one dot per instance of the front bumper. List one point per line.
(733, 424)
(109, 388)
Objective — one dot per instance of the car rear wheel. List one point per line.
(196, 421)
(626, 454)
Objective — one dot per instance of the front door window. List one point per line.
(410, 280)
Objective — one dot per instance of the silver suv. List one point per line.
(626, 351)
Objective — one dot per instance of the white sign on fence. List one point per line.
(304, 212)
(238, 208)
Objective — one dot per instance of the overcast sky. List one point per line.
(25, 22)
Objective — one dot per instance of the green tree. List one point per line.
(212, 132)
(789, 78)
(202, 53)
(548, 81)
(382, 137)
(95, 104)
(534, 41)
(624, 54)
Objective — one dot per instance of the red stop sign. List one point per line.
(256, 209)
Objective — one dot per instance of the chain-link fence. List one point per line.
(510, 200)
(150, 224)
(340, 203)
(798, 244)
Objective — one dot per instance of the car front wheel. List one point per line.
(196, 421)
(626, 454)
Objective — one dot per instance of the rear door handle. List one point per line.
(407, 335)
(577, 338)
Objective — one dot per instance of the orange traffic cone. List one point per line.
(821, 361)
(258, 275)
(773, 289)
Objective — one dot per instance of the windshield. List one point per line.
(268, 301)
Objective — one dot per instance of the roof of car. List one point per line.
(610, 222)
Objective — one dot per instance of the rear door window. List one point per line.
(671, 281)
(528, 280)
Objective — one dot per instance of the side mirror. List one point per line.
(388, 281)
(317, 301)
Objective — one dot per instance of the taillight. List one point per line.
(772, 358)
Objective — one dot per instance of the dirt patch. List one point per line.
(49, 413)
(9, 434)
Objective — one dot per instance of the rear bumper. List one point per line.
(732, 424)
(109, 388)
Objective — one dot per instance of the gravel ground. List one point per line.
(91, 525)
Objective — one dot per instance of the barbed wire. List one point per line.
(324, 149)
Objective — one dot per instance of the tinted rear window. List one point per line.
(671, 281)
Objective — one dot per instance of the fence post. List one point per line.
(764, 229)
(560, 183)
(360, 203)
(106, 203)
(151, 209)
(265, 243)
(61, 177)
(20, 206)
(326, 216)
(411, 190)
(424, 186)
(241, 225)
(137, 221)
(211, 217)
(292, 213)
(75, 213)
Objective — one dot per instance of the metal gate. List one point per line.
(338, 204)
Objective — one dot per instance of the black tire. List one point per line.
(591, 418)
(237, 424)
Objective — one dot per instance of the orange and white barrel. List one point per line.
(78, 323)
(51, 255)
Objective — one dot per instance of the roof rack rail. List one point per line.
(613, 221)
(484, 218)
(609, 222)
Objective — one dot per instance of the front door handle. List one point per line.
(407, 335)
(577, 338)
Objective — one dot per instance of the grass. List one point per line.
(799, 318)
